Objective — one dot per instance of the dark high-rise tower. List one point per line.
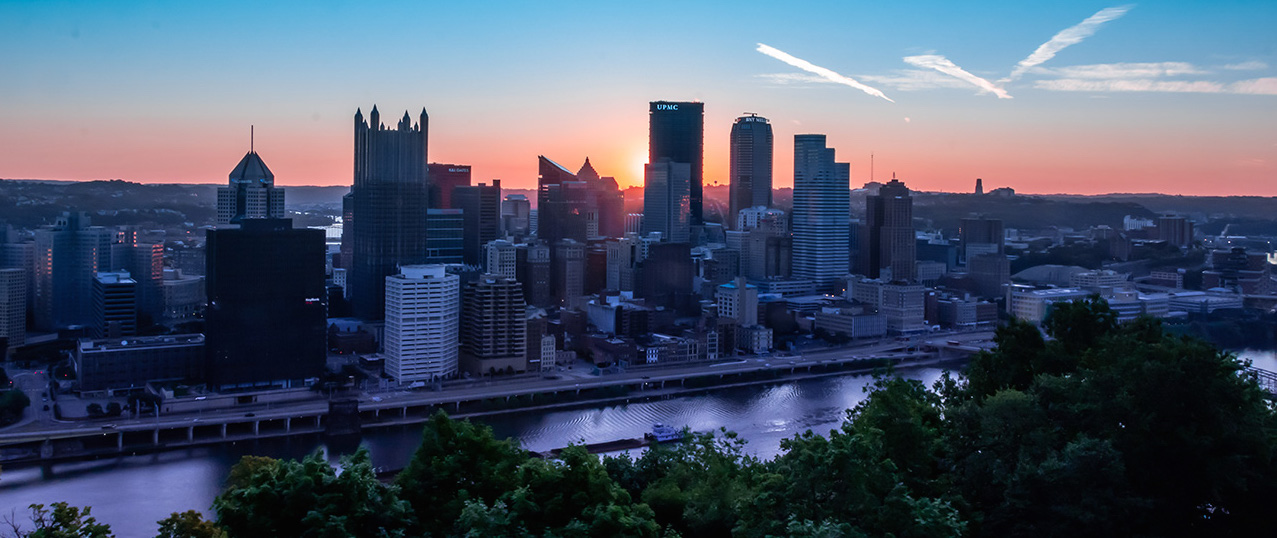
(265, 321)
(666, 200)
(677, 132)
(389, 199)
(564, 204)
(481, 205)
(443, 179)
(889, 237)
(251, 193)
(751, 165)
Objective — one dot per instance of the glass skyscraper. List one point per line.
(677, 132)
(751, 165)
(822, 221)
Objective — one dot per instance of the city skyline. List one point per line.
(1169, 97)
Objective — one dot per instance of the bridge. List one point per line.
(1267, 380)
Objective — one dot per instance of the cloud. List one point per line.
(944, 65)
(1253, 65)
(915, 79)
(815, 69)
(1069, 36)
(1259, 86)
(1121, 70)
(793, 79)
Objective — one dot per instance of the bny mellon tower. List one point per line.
(390, 197)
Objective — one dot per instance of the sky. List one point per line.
(1063, 97)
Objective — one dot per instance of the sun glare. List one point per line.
(638, 161)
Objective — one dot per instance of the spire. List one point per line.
(587, 173)
(250, 138)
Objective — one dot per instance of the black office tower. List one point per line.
(751, 166)
(677, 132)
(481, 205)
(265, 323)
(390, 198)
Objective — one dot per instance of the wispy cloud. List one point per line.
(823, 72)
(1253, 65)
(915, 79)
(944, 65)
(793, 79)
(1121, 70)
(1259, 86)
(1069, 36)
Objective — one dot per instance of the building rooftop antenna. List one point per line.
(251, 136)
(871, 167)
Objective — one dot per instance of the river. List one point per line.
(132, 493)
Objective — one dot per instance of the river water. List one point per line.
(132, 493)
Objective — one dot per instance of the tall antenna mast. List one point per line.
(871, 166)
(251, 135)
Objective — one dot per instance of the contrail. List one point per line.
(943, 65)
(818, 70)
(1069, 36)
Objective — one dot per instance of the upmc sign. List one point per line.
(660, 107)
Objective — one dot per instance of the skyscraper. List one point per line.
(666, 200)
(980, 236)
(115, 296)
(481, 205)
(68, 254)
(821, 213)
(494, 327)
(564, 204)
(609, 203)
(266, 313)
(751, 165)
(677, 132)
(443, 179)
(889, 237)
(389, 199)
(516, 213)
(251, 193)
(423, 305)
(13, 308)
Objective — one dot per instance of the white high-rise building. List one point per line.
(423, 308)
(499, 258)
(821, 213)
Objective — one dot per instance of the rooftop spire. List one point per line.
(250, 138)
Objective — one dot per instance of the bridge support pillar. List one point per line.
(155, 437)
(190, 434)
(256, 426)
(288, 424)
(223, 431)
(119, 441)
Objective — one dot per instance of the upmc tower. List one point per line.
(677, 133)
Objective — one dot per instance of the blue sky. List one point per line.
(164, 91)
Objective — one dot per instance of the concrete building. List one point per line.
(251, 193)
(114, 305)
(129, 364)
(754, 339)
(852, 321)
(534, 271)
(1095, 281)
(423, 309)
(13, 308)
(1175, 230)
(143, 259)
(390, 198)
(501, 259)
(1033, 305)
(903, 305)
(183, 297)
(516, 216)
(623, 256)
(749, 165)
(821, 219)
(979, 236)
(493, 327)
(569, 272)
(738, 300)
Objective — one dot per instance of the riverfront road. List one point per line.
(310, 413)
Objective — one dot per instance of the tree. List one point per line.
(188, 524)
(308, 498)
(12, 403)
(457, 462)
(63, 521)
